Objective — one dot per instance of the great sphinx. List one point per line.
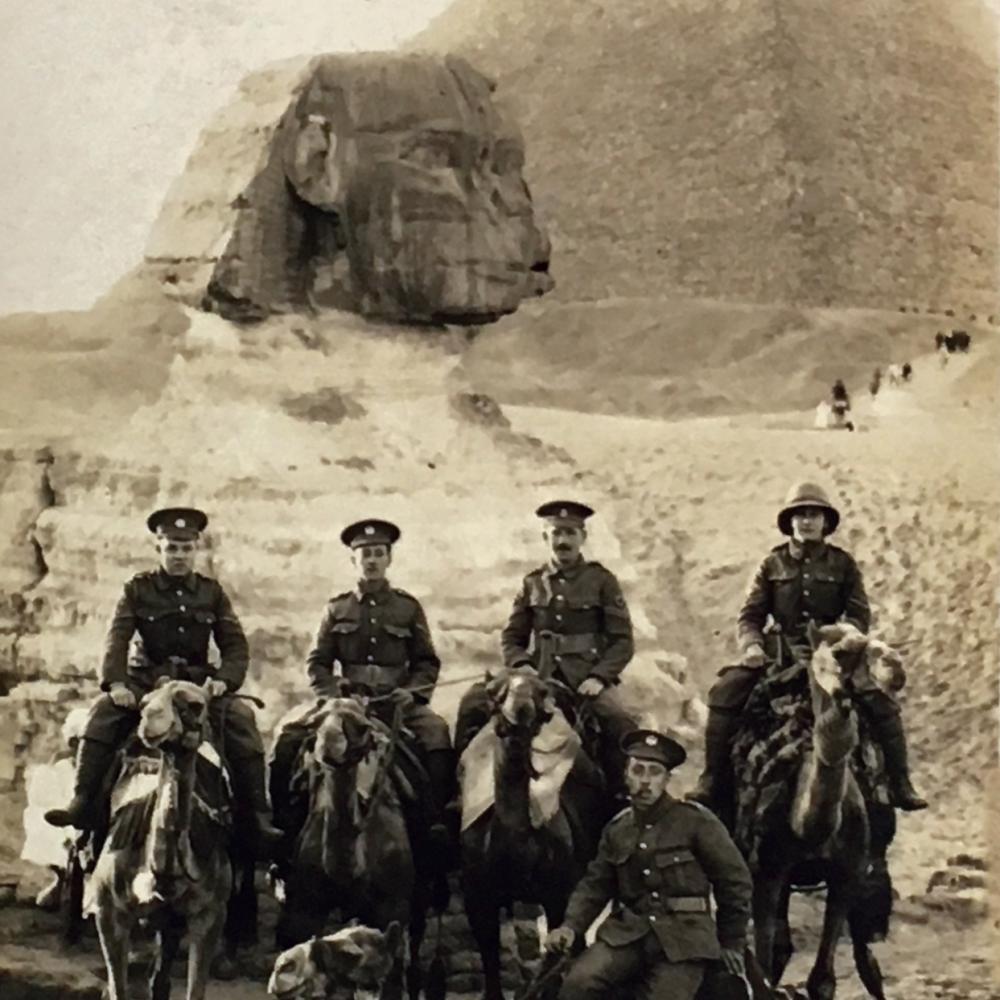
(385, 184)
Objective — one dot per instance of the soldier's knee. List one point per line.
(475, 699)
(433, 731)
(733, 687)
(580, 984)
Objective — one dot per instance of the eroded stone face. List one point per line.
(401, 196)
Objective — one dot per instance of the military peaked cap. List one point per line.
(647, 744)
(184, 523)
(370, 532)
(568, 511)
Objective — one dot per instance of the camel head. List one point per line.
(838, 653)
(346, 735)
(353, 963)
(174, 714)
(521, 699)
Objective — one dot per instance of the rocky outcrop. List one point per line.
(843, 154)
(388, 185)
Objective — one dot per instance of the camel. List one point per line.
(505, 857)
(354, 851)
(830, 833)
(165, 860)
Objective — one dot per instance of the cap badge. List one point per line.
(369, 529)
(180, 523)
(563, 512)
(651, 740)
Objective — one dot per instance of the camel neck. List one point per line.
(512, 780)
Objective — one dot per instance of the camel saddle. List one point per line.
(553, 753)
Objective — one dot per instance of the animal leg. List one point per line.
(484, 920)
(414, 970)
(767, 892)
(865, 960)
(822, 981)
(114, 929)
(205, 933)
(168, 943)
(783, 934)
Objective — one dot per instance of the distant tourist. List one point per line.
(876, 383)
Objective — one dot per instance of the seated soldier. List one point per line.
(570, 622)
(805, 579)
(379, 637)
(656, 863)
(175, 611)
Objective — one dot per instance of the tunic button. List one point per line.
(180, 593)
(374, 621)
(642, 847)
(183, 607)
(371, 659)
(646, 871)
(180, 628)
(652, 918)
(557, 659)
(655, 895)
(805, 614)
(372, 639)
(806, 592)
(558, 618)
(559, 597)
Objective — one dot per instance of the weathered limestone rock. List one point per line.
(389, 185)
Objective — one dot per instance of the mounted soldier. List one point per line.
(175, 611)
(377, 636)
(569, 622)
(806, 579)
(657, 864)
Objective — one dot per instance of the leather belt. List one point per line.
(686, 904)
(559, 643)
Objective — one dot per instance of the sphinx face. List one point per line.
(418, 203)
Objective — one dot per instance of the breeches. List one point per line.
(639, 969)
(430, 730)
(232, 721)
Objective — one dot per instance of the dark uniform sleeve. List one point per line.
(232, 642)
(756, 608)
(617, 631)
(516, 634)
(319, 663)
(121, 630)
(594, 890)
(856, 608)
(424, 663)
(732, 885)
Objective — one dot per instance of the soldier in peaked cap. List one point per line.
(175, 612)
(569, 621)
(804, 579)
(657, 863)
(378, 636)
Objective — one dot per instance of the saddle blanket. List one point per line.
(142, 776)
(553, 752)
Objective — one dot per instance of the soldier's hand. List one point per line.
(215, 688)
(591, 687)
(560, 940)
(400, 698)
(121, 696)
(732, 961)
(754, 656)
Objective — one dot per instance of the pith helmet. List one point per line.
(807, 495)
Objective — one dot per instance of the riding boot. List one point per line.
(248, 787)
(92, 765)
(282, 764)
(887, 728)
(714, 779)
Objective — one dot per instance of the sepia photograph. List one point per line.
(500, 500)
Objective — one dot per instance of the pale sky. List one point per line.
(102, 101)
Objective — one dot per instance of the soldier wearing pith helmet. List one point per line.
(805, 579)
(175, 611)
(377, 635)
(570, 622)
(657, 863)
